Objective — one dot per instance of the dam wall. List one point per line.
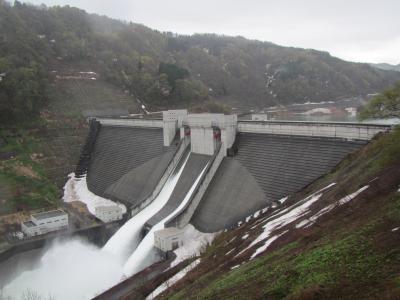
(353, 131)
(127, 163)
(267, 168)
(132, 159)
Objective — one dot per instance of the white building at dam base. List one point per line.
(45, 222)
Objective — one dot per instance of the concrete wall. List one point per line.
(131, 122)
(184, 217)
(201, 128)
(333, 130)
(202, 140)
(172, 120)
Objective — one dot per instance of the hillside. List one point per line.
(336, 239)
(162, 69)
(387, 67)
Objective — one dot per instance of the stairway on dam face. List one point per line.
(266, 168)
(118, 151)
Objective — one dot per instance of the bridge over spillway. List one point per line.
(241, 166)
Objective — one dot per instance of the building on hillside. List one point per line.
(45, 222)
(168, 239)
(109, 213)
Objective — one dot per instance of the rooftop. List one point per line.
(49, 214)
(167, 232)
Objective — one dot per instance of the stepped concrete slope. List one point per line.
(285, 164)
(193, 168)
(266, 168)
(119, 151)
(232, 195)
(139, 183)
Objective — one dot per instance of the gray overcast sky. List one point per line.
(356, 30)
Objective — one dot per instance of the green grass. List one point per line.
(28, 192)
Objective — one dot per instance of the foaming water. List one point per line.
(75, 269)
(71, 269)
(146, 254)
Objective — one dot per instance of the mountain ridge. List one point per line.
(166, 70)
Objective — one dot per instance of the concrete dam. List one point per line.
(246, 165)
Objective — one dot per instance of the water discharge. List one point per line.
(145, 254)
(126, 239)
(75, 269)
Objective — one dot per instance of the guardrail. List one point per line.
(152, 123)
(354, 131)
(183, 217)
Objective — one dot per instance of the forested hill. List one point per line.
(162, 69)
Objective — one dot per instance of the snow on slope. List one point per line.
(76, 190)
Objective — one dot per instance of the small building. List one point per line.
(45, 222)
(109, 213)
(168, 239)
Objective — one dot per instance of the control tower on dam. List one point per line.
(238, 166)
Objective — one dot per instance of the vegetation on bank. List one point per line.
(384, 105)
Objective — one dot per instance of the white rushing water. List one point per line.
(75, 269)
(146, 254)
(126, 239)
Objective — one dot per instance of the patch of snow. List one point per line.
(309, 221)
(303, 223)
(232, 239)
(267, 244)
(230, 251)
(352, 196)
(248, 219)
(235, 267)
(318, 111)
(256, 214)
(283, 200)
(240, 223)
(395, 229)
(285, 218)
(264, 210)
(194, 242)
(170, 282)
(313, 103)
(76, 190)
(245, 236)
